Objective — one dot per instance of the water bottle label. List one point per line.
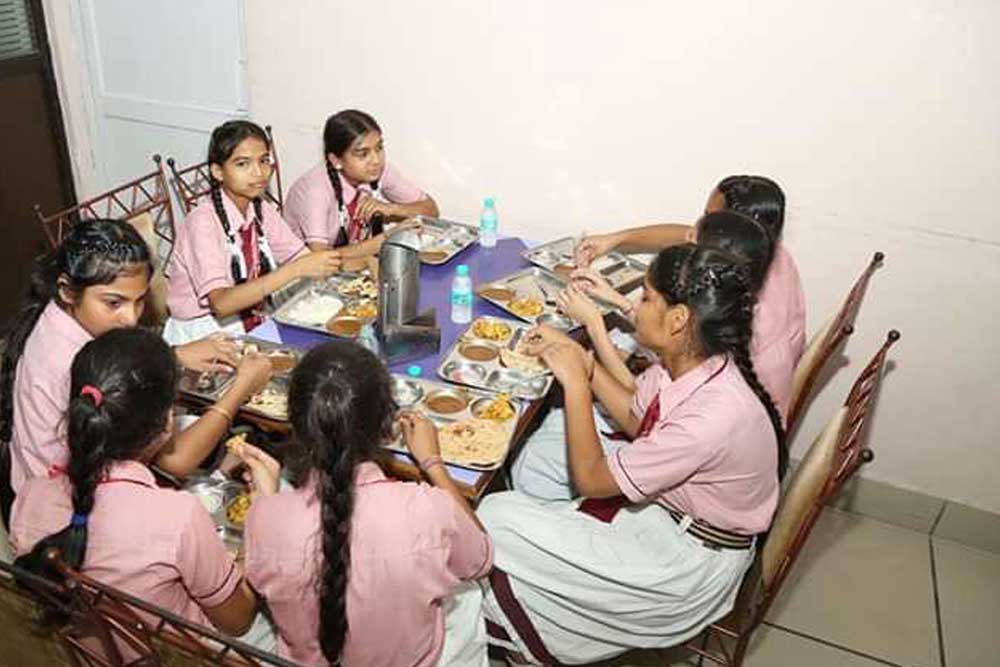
(461, 298)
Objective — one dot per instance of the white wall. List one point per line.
(881, 120)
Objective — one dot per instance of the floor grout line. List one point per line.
(826, 642)
(937, 602)
(937, 519)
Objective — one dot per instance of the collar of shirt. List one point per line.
(350, 192)
(237, 220)
(59, 322)
(673, 393)
(129, 471)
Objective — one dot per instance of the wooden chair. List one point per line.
(109, 628)
(834, 457)
(825, 343)
(145, 204)
(194, 182)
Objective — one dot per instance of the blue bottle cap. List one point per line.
(488, 202)
(414, 371)
(462, 270)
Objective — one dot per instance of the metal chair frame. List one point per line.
(146, 194)
(98, 614)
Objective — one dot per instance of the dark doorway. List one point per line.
(36, 167)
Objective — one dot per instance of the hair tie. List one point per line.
(94, 393)
(78, 520)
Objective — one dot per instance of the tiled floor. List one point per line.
(868, 594)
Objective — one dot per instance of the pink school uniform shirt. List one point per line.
(159, 545)
(411, 545)
(311, 204)
(41, 394)
(779, 328)
(712, 453)
(201, 261)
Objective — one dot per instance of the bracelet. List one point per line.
(222, 411)
(430, 462)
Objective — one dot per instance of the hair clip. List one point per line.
(78, 520)
(94, 393)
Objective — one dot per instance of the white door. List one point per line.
(162, 73)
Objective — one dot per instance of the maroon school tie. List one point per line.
(605, 509)
(251, 258)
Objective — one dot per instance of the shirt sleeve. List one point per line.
(470, 549)
(205, 253)
(396, 188)
(208, 571)
(670, 454)
(308, 210)
(285, 245)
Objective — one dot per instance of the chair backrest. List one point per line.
(194, 182)
(826, 342)
(833, 459)
(146, 196)
(113, 628)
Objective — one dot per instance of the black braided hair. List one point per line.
(342, 129)
(225, 139)
(718, 289)
(740, 236)
(94, 252)
(136, 373)
(341, 408)
(757, 197)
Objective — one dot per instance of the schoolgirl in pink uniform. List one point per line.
(779, 337)
(655, 535)
(95, 281)
(346, 200)
(106, 514)
(234, 250)
(356, 568)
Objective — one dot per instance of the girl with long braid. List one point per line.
(779, 327)
(657, 543)
(358, 569)
(345, 201)
(234, 250)
(95, 281)
(105, 513)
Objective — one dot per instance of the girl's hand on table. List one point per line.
(541, 336)
(570, 363)
(214, 354)
(263, 470)
(252, 374)
(592, 283)
(420, 436)
(317, 264)
(579, 306)
(592, 247)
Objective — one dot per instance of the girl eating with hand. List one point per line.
(95, 281)
(652, 537)
(105, 513)
(359, 569)
(234, 250)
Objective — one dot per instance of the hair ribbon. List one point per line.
(78, 520)
(94, 393)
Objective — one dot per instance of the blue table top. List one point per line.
(485, 265)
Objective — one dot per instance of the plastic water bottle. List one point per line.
(461, 296)
(414, 371)
(488, 223)
(368, 340)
